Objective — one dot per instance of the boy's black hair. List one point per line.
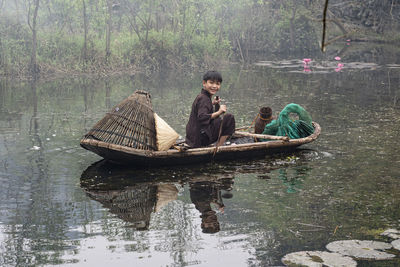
(212, 75)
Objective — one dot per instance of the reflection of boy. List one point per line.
(204, 126)
(203, 194)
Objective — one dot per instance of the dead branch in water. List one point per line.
(324, 26)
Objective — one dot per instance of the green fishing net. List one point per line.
(285, 126)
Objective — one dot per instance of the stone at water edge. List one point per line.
(318, 259)
(361, 249)
(392, 233)
(396, 244)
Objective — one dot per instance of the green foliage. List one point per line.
(153, 34)
(54, 47)
(15, 47)
(165, 48)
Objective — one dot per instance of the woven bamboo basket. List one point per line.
(132, 123)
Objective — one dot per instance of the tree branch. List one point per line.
(324, 26)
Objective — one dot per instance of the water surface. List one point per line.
(61, 204)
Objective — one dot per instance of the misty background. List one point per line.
(106, 37)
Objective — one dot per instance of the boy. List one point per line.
(204, 126)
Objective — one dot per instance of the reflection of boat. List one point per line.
(136, 203)
(149, 158)
(134, 200)
(131, 201)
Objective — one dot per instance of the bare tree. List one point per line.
(33, 26)
(85, 29)
(108, 29)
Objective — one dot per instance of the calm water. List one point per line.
(62, 205)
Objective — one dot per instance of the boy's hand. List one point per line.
(216, 101)
(222, 110)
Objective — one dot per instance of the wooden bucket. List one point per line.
(263, 118)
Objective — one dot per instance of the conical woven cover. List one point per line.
(132, 204)
(130, 123)
(166, 136)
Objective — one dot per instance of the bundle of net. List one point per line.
(285, 126)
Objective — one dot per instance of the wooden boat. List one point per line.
(151, 158)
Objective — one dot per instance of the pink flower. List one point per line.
(348, 40)
(339, 67)
(337, 58)
(306, 60)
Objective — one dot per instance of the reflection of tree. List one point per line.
(108, 94)
(85, 102)
(10, 118)
(34, 123)
(34, 221)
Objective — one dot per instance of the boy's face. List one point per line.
(211, 86)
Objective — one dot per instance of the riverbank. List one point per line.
(365, 50)
(103, 69)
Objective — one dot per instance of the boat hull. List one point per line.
(146, 158)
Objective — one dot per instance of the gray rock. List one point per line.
(396, 244)
(318, 259)
(361, 249)
(392, 233)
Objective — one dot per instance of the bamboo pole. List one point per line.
(244, 128)
(262, 136)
